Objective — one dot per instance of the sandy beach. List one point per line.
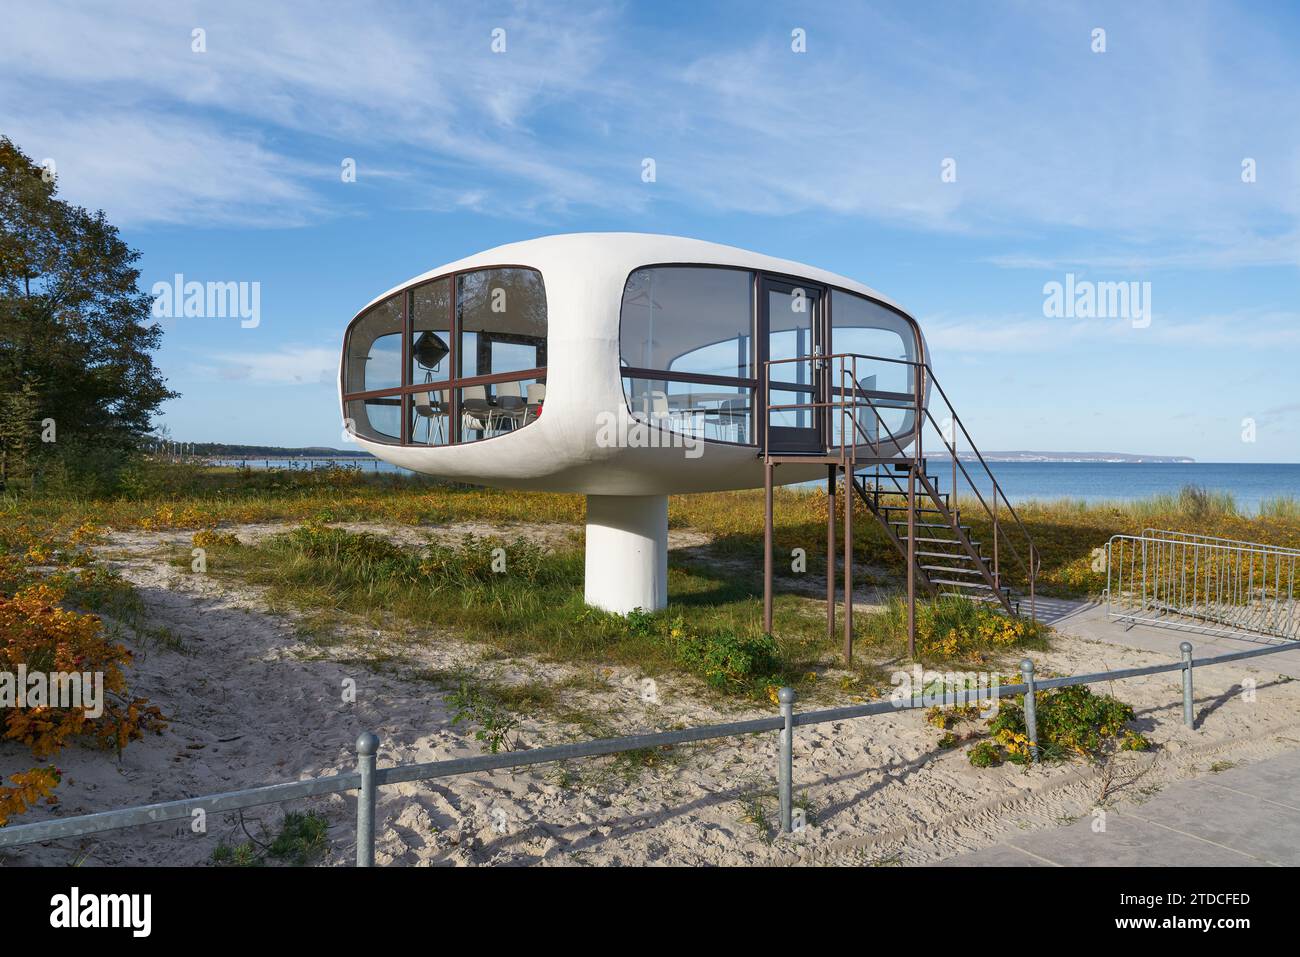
(252, 700)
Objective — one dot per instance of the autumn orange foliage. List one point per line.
(28, 788)
(40, 634)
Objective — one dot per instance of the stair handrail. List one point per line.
(922, 413)
(837, 402)
(1031, 567)
(858, 394)
(1036, 562)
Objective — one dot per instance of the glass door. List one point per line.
(793, 319)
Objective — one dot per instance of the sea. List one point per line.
(1248, 483)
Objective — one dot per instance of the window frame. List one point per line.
(454, 383)
(697, 378)
(759, 343)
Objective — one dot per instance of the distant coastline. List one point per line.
(231, 450)
(1094, 457)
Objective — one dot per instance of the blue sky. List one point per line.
(1123, 165)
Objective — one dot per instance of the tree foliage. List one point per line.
(78, 385)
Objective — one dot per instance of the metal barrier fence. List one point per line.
(1199, 583)
(368, 778)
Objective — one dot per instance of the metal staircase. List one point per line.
(948, 560)
(883, 460)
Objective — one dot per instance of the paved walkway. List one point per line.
(1084, 619)
(1243, 817)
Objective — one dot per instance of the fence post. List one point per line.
(1031, 712)
(1189, 709)
(785, 763)
(367, 747)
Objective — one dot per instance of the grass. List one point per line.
(713, 627)
(533, 606)
(162, 496)
(301, 841)
(521, 600)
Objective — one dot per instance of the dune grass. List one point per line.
(513, 595)
(520, 599)
(713, 625)
(1067, 533)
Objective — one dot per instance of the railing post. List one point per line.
(918, 460)
(848, 558)
(1031, 711)
(831, 478)
(768, 521)
(785, 762)
(997, 569)
(1189, 710)
(911, 561)
(367, 748)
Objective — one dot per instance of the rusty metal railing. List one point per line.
(839, 397)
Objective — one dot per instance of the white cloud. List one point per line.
(253, 130)
(168, 170)
(1253, 329)
(288, 365)
(1138, 148)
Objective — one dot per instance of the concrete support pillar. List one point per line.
(627, 552)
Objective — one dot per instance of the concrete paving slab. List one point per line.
(1128, 842)
(1089, 620)
(1002, 855)
(1276, 782)
(1243, 817)
(1232, 819)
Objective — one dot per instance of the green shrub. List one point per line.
(953, 629)
(368, 552)
(301, 838)
(1071, 721)
(724, 659)
(985, 755)
(467, 565)
(486, 561)
(493, 724)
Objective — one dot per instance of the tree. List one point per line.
(76, 332)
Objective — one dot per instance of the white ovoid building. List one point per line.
(625, 367)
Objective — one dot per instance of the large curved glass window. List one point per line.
(430, 353)
(863, 327)
(502, 319)
(686, 345)
(375, 348)
(378, 419)
(455, 359)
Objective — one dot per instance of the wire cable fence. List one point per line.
(368, 777)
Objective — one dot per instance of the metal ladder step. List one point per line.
(902, 504)
(894, 490)
(939, 541)
(919, 511)
(979, 586)
(887, 481)
(948, 569)
(964, 528)
(990, 597)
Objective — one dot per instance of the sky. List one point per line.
(958, 157)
